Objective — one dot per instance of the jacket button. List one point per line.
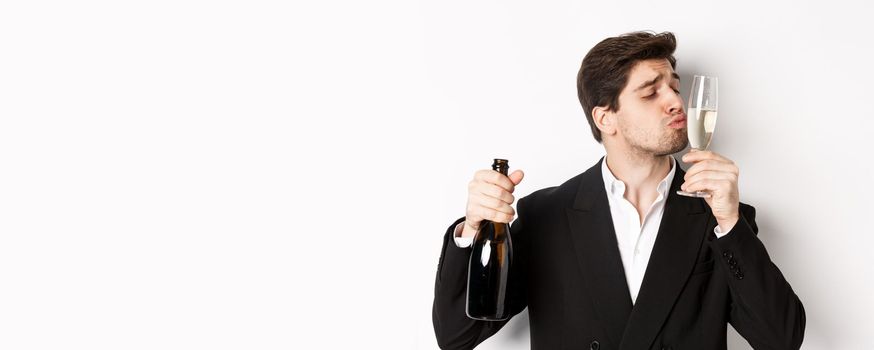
(727, 255)
(732, 262)
(595, 345)
(739, 275)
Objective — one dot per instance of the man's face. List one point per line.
(648, 105)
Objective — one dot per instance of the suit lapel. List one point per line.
(594, 240)
(683, 227)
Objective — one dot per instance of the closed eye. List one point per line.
(652, 95)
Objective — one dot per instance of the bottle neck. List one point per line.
(500, 169)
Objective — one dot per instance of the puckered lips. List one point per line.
(678, 122)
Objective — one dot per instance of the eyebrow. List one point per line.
(655, 80)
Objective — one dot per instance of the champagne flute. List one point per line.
(701, 118)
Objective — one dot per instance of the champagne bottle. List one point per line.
(489, 268)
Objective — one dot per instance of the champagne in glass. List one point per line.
(701, 118)
(701, 123)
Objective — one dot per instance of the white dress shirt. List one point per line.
(635, 239)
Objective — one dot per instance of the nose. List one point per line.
(674, 104)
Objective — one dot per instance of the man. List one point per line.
(614, 258)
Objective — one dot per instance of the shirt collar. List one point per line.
(616, 188)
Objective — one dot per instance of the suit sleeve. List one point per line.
(454, 330)
(764, 309)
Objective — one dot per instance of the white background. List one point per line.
(259, 175)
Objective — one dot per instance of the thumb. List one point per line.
(517, 176)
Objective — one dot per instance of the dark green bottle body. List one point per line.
(489, 267)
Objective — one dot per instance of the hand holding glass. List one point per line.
(701, 118)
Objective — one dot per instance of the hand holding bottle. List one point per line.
(489, 197)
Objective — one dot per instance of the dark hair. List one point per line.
(604, 72)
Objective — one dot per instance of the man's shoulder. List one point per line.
(553, 196)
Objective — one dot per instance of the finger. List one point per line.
(703, 155)
(697, 156)
(711, 165)
(495, 216)
(710, 175)
(707, 185)
(491, 190)
(495, 204)
(516, 177)
(494, 177)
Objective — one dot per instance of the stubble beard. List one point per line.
(672, 141)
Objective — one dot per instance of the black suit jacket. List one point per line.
(568, 273)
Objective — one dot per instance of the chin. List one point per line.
(674, 146)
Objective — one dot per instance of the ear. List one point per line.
(605, 120)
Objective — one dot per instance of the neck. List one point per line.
(641, 173)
